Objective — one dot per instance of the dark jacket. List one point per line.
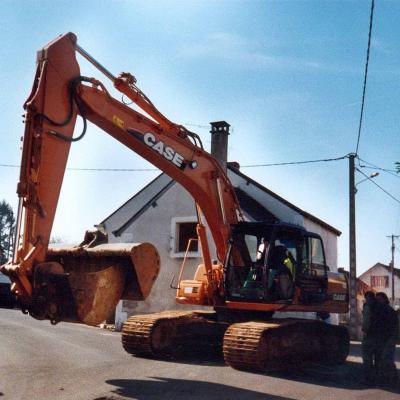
(388, 322)
(371, 323)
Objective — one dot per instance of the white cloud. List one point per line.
(250, 54)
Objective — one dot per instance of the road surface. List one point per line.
(69, 361)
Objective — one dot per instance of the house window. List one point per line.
(182, 230)
(187, 231)
(380, 281)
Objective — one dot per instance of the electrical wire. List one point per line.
(114, 169)
(380, 187)
(208, 127)
(390, 172)
(95, 169)
(155, 169)
(373, 166)
(197, 125)
(371, 18)
(295, 162)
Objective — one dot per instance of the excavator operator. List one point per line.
(283, 263)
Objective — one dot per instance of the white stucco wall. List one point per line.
(154, 226)
(120, 216)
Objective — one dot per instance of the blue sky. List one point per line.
(287, 75)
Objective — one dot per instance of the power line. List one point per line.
(365, 73)
(155, 169)
(197, 125)
(390, 172)
(114, 169)
(95, 169)
(373, 166)
(208, 127)
(380, 187)
(294, 162)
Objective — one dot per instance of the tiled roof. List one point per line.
(253, 208)
(307, 215)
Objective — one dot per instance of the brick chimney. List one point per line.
(219, 142)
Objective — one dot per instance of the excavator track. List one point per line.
(279, 344)
(171, 334)
(283, 344)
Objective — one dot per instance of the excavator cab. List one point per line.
(276, 263)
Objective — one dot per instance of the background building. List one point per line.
(379, 277)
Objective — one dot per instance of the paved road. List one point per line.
(67, 361)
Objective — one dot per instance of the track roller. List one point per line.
(283, 344)
(173, 334)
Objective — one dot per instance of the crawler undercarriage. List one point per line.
(255, 345)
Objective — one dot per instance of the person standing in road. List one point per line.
(388, 335)
(369, 346)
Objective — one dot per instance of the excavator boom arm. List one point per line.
(59, 95)
(44, 157)
(196, 170)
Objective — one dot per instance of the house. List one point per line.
(379, 277)
(163, 213)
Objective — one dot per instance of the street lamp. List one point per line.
(373, 175)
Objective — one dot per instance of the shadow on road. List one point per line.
(347, 376)
(162, 388)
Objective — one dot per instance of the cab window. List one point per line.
(312, 256)
(244, 251)
(290, 244)
(317, 253)
(252, 246)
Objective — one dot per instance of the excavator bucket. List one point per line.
(84, 284)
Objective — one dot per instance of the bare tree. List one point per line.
(7, 226)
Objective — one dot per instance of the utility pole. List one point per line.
(392, 266)
(353, 323)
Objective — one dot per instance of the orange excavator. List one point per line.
(260, 268)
